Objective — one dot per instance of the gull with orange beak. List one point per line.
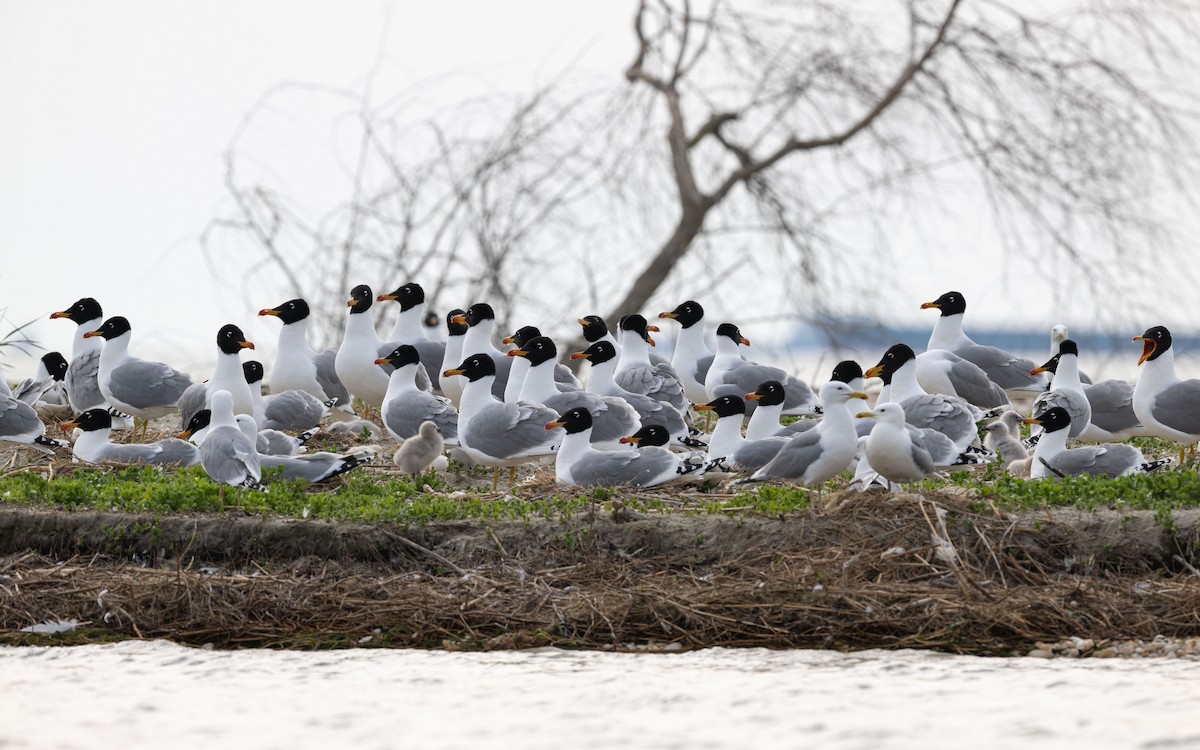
(564, 379)
(143, 389)
(691, 357)
(1052, 457)
(730, 375)
(638, 374)
(1066, 390)
(297, 367)
(578, 463)
(406, 407)
(227, 376)
(409, 327)
(83, 389)
(361, 346)
(94, 445)
(1167, 407)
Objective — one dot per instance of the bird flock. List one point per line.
(635, 419)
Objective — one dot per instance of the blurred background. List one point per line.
(812, 171)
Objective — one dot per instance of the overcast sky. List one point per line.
(117, 114)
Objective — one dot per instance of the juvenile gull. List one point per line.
(227, 454)
(578, 463)
(1112, 460)
(420, 451)
(94, 445)
(898, 454)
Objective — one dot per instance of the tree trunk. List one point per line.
(665, 261)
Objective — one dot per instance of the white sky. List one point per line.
(116, 115)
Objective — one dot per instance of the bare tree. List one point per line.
(807, 127)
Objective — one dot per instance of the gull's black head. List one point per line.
(55, 364)
(479, 312)
(474, 367)
(523, 336)
(950, 303)
(846, 370)
(360, 299)
(83, 311)
(252, 370)
(769, 393)
(893, 359)
(409, 296)
(402, 355)
(538, 350)
(199, 421)
(456, 322)
(1155, 341)
(597, 353)
(111, 328)
(594, 328)
(1067, 346)
(1052, 420)
(635, 323)
(687, 313)
(231, 340)
(725, 406)
(292, 311)
(575, 420)
(730, 331)
(90, 421)
(650, 435)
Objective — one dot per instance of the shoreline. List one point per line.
(903, 571)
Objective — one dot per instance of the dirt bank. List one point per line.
(900, 571)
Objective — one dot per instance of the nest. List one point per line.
(908, 571)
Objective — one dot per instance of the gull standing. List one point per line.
(726, 446)
(1166, 406)
(948, 415)
(819, 454)
(409, 327)
(406, 407)
(691, 357)
(143, 389)
(1065, 388)
(83, 388)
(481, 326)
(227, 454)
(297, 367)
(419, 452)
(361, 347)
(456, 329)
(893, 451)
(1005, 370)
(227, 376)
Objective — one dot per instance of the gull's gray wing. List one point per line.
(192, 401)
(659, 382)
(920, 455)
(652, 411)
(644, 467)
(291, 410)
(314, 467)
(702, 366)
(228, 456)
(83, 386)
(403, 415)
(972, 384)
(565, 379)
(793, 458)
(941, 449)
(1178, 407)
(19, 423)
(30, 390)
(948, 415)
(1078, 408)
(1112, 405)
(145, 385)
(176, 452)
(510, 430)
(425, 381)
(1098, 460)
(612, 418)
(1005, 370)
(755, 454)
(328, 380)
(431, 352)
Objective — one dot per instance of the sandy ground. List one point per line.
(156, 694)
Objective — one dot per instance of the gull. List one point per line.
(83, 388)
(495, 433)
(1112, 417)
(361, 346)
(596, 330)
(730, 375)
(409, 327)
(564, 379)
(1053, 458)
(1065, 388)
(419, 452)
(227, 453)
(456, 328)
(896, 453)
(94, 444)
(297, 367)
(656, 436)
(578, 463)
(432, 323)
(612, 417)
(1059, 334)
(691, 357)
(46, 385)
(635, 371)
(310, 467)
(289, 410)
(764, 422)
(726, 446)
(227, 376)
(481, 326)
(943, 371)
(1167, 407)
(267, 442)
(405, 407)
(865, 478)
(1005, 370)
(949, 415)
(819, 454)
(143, 389)
(601, 381)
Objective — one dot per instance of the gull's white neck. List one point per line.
(90, 445)
(360, 329)
(1066, 375)
(948, 333)
(453, 356)
(258, 404)
(764, 422)
(293, 337)
(517, 374)
(477, 396)
(402, 380)
(539, 383)
(80, 345)
(1050, 444)
(838, 418)
(726, 437)
(635, 352)
(115, 351)
(478, 340)
(601, 378)
(575, 447)
(409, 325)
(904, 382)
(689, 347)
